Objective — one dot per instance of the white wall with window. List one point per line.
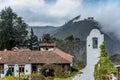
(28, 69)
(3, 70)
(16, 70)
(94, 40)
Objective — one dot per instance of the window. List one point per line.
(11, 67)
(21, 69)
(1, 68)
(34, 68)
(95, 43)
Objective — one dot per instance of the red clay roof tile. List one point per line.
(27, 56)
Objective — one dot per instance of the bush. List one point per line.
(75, 69)
(104, 66)
(12, 78)
(50, 78)
(80, 65)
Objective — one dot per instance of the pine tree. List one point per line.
(33, 40)
(104, 66)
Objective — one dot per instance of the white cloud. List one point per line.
(38, 11)
(22, 3)
(107, 15)
(64, 7)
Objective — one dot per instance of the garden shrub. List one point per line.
(104, 66)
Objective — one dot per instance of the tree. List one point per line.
(104, 66)
(12, 29)
(47, 38)
(33, 41)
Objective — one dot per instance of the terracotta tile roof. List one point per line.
(27, 56)
(64, 55)
(47, 44)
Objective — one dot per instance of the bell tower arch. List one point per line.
(93, 42)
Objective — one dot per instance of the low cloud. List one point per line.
(108, 16)
(40, 12)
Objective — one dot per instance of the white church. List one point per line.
(94, 40)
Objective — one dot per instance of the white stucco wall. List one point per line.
(28, 69)
(49, 49)
(5, 70)
(92, 54)
(16, 70)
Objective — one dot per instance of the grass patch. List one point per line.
(71, 76)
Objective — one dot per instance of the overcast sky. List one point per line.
(57, 12)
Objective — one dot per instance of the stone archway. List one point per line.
(48, 70)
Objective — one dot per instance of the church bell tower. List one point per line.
(94, 40)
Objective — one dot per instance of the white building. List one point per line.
(94, 40)
(24, 62)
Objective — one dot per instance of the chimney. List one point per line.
(5, 49)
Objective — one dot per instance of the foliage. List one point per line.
(70, 44)
(47, 38)
(50, 78)
(25, 77)
(115, 57)
(59, 72)
(33, 40)
(9, 73)
(12, 78)
(79, 65)
(12, 29)
(70, 77)
(104, 66)
(39, 76)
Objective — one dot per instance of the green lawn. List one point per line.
(70, 78)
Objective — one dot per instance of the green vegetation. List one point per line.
(70, 78)
(25, 77)
(115, 57)
(69, 44)
(33, 40)
(12, 29)
(104, 66)
(9, 73)
(38, 77)
(58, 72)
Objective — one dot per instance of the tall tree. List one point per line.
(12, 29)
(47, 38)
(33, 41)
(104, 66)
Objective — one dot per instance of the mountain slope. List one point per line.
(40, 30)
(82, 29)
(115, 59)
